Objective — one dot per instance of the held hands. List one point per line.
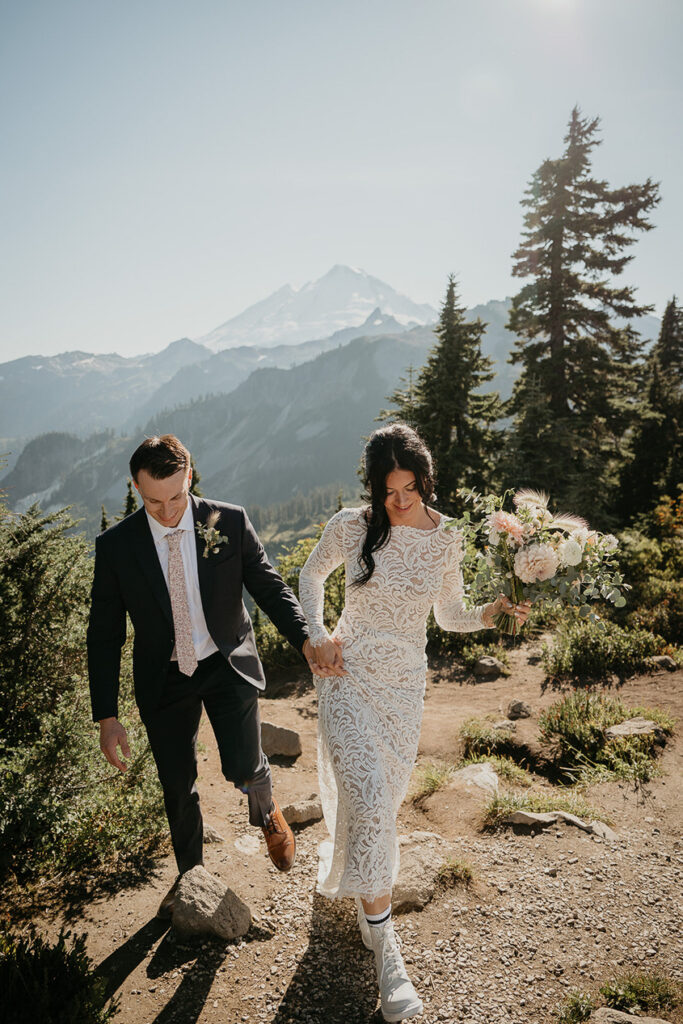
(113, 735)
(326, 659)
(504, 604)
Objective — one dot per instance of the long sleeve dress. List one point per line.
(369, 720)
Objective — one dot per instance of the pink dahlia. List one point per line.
(535, 563)
(506, 522)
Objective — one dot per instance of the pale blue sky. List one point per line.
(165, 163)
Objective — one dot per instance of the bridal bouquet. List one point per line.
(532, 554)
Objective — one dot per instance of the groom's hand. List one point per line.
(113, 735)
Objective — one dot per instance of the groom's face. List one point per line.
(166, 499)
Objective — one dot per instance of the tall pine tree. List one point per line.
(657, 441)
(446, 405)
(130, 504)
(576, 392)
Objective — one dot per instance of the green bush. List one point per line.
(479, 737)
(586, 650)
(651, 559)
(641, 993)
(63, 808)
(50, 984)
(577, 723)
(577, 1007)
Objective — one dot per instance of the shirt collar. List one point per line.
(159, 532)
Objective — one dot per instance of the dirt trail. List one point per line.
(546, 913)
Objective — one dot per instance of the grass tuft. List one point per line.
(577, 1007)
(455, 872)
(430, 777)
(499, 807)
(642, 993)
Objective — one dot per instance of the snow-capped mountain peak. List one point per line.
(343, 297)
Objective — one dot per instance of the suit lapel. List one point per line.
(200, 513)
(145, 550)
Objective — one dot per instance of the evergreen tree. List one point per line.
(404, 399)
(575, 395)
(657, 465)
(446, 406)
(194, 486)
(104, 520)
(131, 503)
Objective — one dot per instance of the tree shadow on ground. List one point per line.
(124, 960)
(335, 981)
(69, 895)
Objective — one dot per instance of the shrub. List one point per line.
(595, 651)
(479, 737)
(577, 723)
(62, 807)
(577, 1007)
(41, 982)
(642, 993)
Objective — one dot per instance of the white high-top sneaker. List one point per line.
(363, 925)
(397, 995)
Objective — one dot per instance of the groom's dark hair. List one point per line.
(160, 457)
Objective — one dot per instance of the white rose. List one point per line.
(570, 551)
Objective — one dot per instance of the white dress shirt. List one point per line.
(201, 638)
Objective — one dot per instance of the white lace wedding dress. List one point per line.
(369, 720)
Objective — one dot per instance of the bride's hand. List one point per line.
(504, 604)
(328, 659)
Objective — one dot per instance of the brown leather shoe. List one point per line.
(165, 911)
(279, 840)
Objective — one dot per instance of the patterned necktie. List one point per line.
(187, 659)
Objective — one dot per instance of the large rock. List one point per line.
(638, 726)
(606, 1015)
(545, 818)
(482, 776)
(278, 741)
(203, 905)
(518, 709)
(422, 854)
(303, 812)
(488, 667)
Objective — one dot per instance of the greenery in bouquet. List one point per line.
(533, 554)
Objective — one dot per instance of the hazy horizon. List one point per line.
(166, 167)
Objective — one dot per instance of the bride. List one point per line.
(371, 678)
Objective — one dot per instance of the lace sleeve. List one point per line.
(323, 559)
(449, 610)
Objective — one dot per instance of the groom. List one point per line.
(177, 567)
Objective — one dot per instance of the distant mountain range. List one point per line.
(264, 421)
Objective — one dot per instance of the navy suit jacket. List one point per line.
(128, 579)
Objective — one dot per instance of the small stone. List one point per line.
(505, 725)
(422, 855)
(303, 812)
(663, 661)
(518, 709)
(488, 667)
(482, 776)
(211, 835)
(248, 845)
(278, 741)
(637, 726)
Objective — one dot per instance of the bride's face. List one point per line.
(403, 501)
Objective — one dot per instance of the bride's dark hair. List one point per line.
(395, 447)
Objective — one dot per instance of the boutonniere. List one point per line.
(210, 535)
